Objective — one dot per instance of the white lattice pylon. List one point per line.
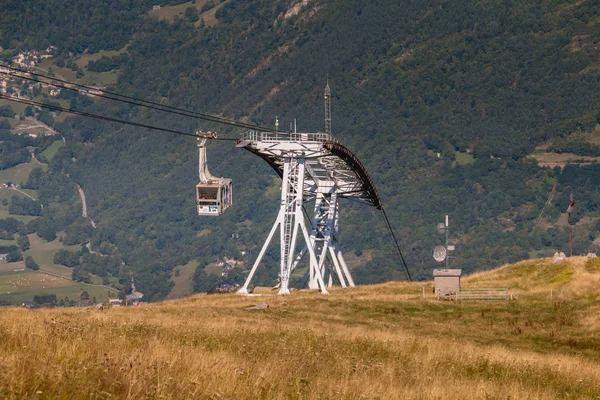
(289, 220)
(325, 245)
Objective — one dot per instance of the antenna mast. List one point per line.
(327, 109)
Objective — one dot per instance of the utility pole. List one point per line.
(569, 210)
(447, 234)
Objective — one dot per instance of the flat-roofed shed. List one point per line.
(446, 281)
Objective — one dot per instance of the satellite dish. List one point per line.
(439, 253)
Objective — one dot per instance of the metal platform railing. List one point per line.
(278, 137)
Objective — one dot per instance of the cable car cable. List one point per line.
(136, 101)
(101, 117)
(395, 242)
(132, 100)
(159, 107)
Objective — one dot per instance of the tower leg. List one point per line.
(244, 289)
(291, 207)
(340, 257)
(336, 265)
(313, 259)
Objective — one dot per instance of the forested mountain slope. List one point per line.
(441, 100)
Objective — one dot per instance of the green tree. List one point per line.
(31, 264)
(191, 13)
(14, 256)
(45, 299)
(23, 242)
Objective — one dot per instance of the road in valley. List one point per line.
(84, 205)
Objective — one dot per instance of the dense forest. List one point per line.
(416, 86)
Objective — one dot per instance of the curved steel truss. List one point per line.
(332, 161)
(313, 167)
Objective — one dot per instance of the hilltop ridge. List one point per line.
(573, 277)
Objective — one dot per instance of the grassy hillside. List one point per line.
(380, 342)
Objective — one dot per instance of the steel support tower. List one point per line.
(312, 167)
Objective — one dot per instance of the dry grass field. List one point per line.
(371, 342)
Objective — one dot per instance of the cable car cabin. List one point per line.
(213, 195)
(214, 198)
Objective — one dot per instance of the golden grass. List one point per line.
(376, 342)
(303, 346)
(575, 277)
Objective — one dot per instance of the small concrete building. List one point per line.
(446, 281)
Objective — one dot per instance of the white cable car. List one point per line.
(213, 195)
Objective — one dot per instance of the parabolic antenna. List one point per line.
(439, 253)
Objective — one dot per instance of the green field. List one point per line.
(23, 218)
(20, 286)
(62, 73)
(18, 174)
(100, 79)
(6, 193)
(17, 107)
(51, 151)
(89, 78)
(43, 253)
(209, 17)
(184, 285)
(169, 12)
(464, 158)
(84, 59)
(595, 136)
(17, 286)
(213, 269)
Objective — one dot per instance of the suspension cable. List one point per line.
(395, 243)
(127, 99)
(101, 117)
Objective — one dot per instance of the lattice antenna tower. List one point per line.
(327, 109)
